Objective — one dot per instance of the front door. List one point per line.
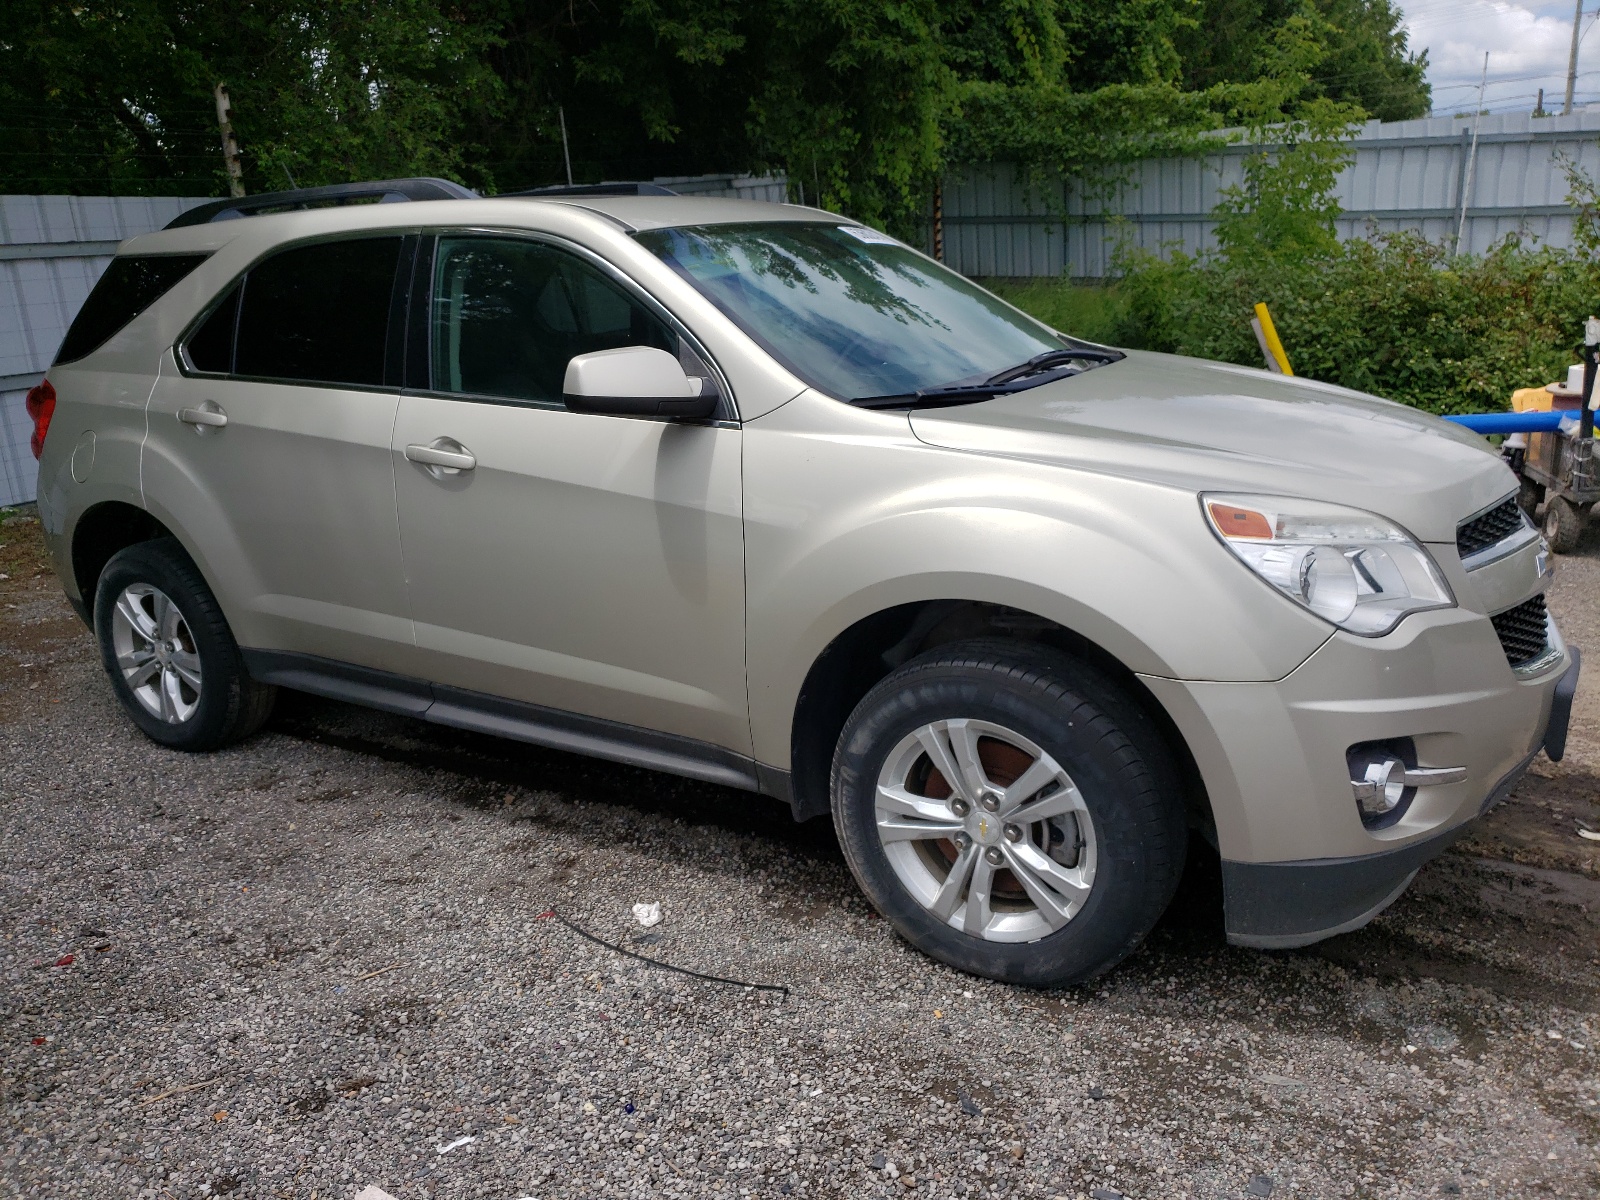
(269, 449)
(591, 564)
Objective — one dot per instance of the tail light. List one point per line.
(41, 405)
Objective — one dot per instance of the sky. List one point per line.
(1528, 43)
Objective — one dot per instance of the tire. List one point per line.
(169, 654)
(1529, 494)
(1563, 525)
(1099, 772)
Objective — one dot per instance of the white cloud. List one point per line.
(1528, 45)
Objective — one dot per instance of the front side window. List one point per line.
(131, 284)
(508, 314)
(313, 314)
(850, 311)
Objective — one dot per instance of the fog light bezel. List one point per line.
(1365, 754)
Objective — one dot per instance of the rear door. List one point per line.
(592, 564)
(268, 446)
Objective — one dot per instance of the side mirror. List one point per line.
(635, 381)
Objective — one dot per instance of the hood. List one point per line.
(1206, 426)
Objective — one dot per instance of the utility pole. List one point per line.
(1538, 109)
(230, 147)
(565, 153)
(1572, 59)
(1472, 156)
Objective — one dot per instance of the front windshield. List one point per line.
(849, 310)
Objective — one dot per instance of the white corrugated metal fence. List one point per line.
(1405, 175)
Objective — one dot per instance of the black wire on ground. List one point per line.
(657, 963)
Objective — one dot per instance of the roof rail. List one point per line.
(382, 191)
(620, 188)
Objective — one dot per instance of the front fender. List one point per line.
(848, 514)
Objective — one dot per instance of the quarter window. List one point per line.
(210, 348)
(509, 314)
(131, 284)
(316, 314)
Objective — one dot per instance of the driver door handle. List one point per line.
(437, 456)
(209, 415)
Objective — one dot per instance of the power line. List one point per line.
(1446, 87)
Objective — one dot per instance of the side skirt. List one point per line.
(515, 719)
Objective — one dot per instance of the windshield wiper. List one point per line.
(1050, 360)
(1038, 370)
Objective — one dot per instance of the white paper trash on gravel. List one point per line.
(372, 1193)
(648, 914)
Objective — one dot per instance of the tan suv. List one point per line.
(756, 495)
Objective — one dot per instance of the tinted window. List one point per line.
(130, 285)
(849, 310)
(508, 315)
(210, 348)
(319, 313)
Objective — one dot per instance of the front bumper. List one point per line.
(1277, 906)
(1298, 864)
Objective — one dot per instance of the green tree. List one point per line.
(1368, 61)
(864, 103)
(1285, 208)
(115, 95)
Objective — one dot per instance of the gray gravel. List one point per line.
(317, 961)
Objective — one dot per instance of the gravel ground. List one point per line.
(319, 961)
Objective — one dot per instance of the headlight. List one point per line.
(1349, 567)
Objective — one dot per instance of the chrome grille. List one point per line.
(1524, 631)
(1487, 529)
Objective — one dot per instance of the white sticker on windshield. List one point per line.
(871, 236)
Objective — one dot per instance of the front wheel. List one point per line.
(169, 654)
(1010, 811)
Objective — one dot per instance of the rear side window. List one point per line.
(131, 284)
(313, 314)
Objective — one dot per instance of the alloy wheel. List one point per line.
(985, 830)
(156, 653)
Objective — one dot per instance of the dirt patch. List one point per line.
(1541, 825)
(23, 557)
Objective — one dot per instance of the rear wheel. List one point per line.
(1003, 806)
(169, 654)
(1563, 524)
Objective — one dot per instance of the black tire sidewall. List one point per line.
(163, 565)
(1563, 524)
(1140, 835)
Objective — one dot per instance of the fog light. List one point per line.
(1384, 776)
(1383, 787)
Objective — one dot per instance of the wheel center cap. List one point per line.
(985, 828)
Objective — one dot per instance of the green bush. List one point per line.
(1094, 313)
(1396, 316)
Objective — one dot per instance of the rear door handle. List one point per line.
(209, 414)
(443, 453)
